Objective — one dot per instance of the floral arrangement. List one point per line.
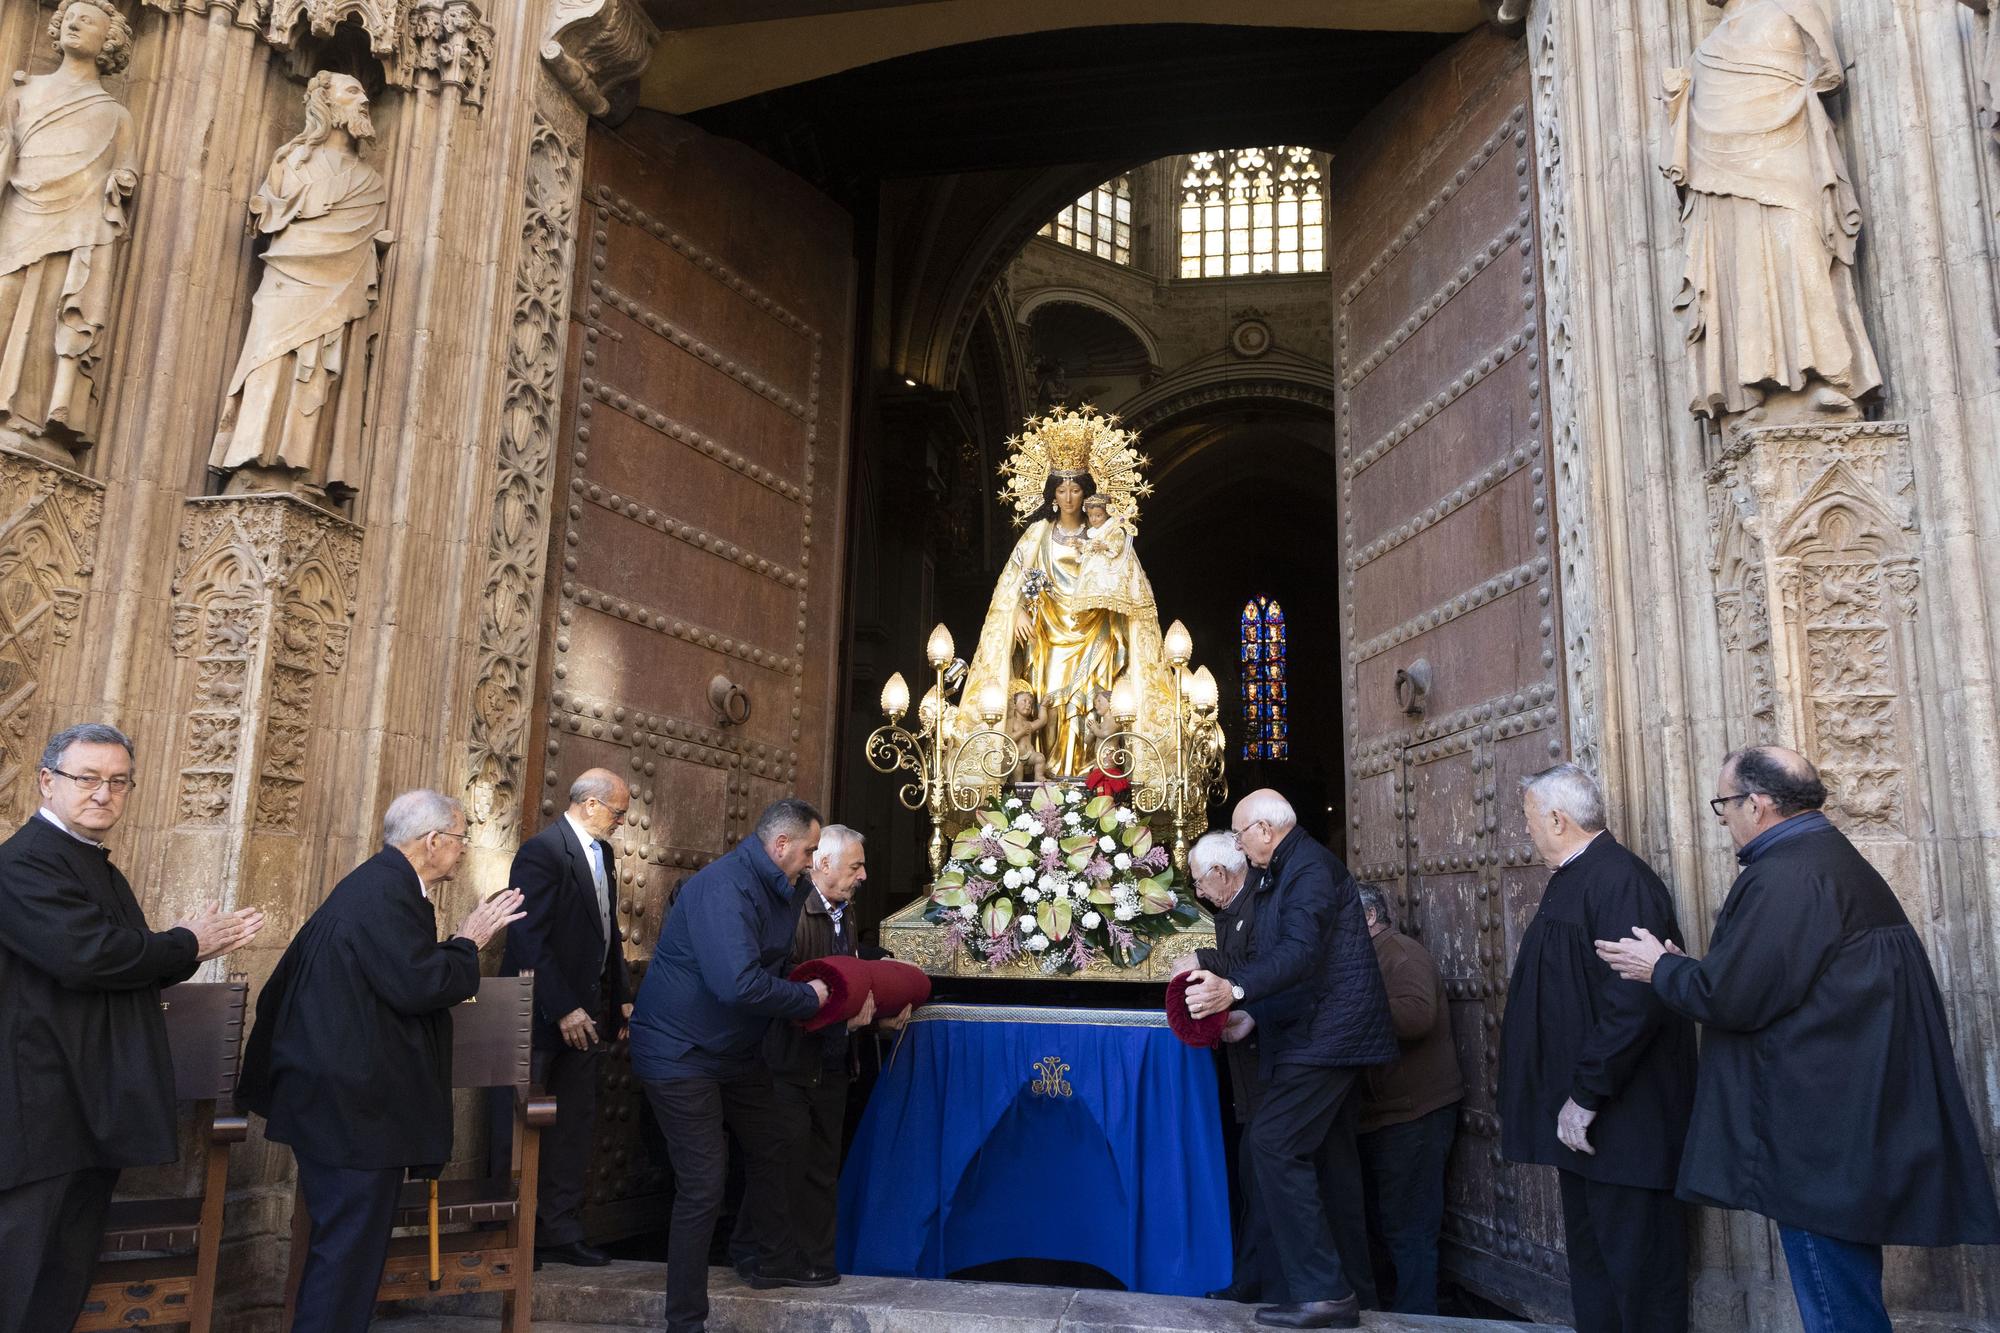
(1060, 876)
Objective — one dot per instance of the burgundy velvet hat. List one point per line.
(1194, 1031)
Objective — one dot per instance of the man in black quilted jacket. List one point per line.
(1313, 990)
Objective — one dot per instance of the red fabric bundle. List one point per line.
(849, 981)
(1106, 784)
(1194, 1031)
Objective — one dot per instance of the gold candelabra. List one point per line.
(942, 781)
(1197, 766)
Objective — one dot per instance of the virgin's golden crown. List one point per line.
(1067, 443)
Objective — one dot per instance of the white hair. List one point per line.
(833, 840)
(1569, 789)
(1211, 850)
(416, 814)
(1267, 807)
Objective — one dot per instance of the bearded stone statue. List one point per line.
(66, 180)
(293, 419)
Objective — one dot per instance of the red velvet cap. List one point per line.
(1194, 1031)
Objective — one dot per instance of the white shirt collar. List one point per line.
(1581, 850)
(56, 819)
(582, 833)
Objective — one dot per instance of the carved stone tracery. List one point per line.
(597, 49)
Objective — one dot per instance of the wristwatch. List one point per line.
(1236, 991)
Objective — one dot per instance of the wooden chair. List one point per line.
(492, 1244)
(205, 1037)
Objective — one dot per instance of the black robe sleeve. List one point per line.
(1629, 1013)
(48, 919)
(412, 973)
(1770, 943)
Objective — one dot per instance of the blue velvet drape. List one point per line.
(959, 1161)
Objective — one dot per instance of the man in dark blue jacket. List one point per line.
(1314, 991)
(567, 877)
(716, 984)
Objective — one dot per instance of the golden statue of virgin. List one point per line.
(1072, 615)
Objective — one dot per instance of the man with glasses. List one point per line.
(350, 1058)
(1313, 988)
(568, 938)
(86, 1084)
(1829, 1098)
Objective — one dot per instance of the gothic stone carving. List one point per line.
(1774, 327)
(597, 50)
(1817, 579)
(263, 599)
(517, 528)
(48, 538)
(293, 418)
(67, 159)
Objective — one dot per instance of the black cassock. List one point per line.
(1575, 1029)
(350, 1058)
(1829, 1099)
(85, 1077)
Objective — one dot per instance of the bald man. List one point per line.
(567, 876)
(1828, 1099)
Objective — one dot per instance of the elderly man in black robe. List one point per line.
(1596, 1074)
(1314, 992)
(350, 1059)
(1829, 1099)
(86, 1085)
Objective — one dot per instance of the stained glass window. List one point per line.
(1252, 210)
(1264, 730)
(1099, 223)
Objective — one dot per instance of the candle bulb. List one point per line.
(1201, 691)
(1178, 644)
(1124, 700)
(992, 701)
(895, 697)
(940, 649)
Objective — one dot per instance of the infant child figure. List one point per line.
(1024, 727)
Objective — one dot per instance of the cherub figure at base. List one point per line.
(1026, 718)
(1098, 723)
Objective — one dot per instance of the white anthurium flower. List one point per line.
(1122, 861)
(1028, 925)
(1048, 845)
(1091, 921)
(1107, 843)
(1031, 895)
(1038, 942)
(989, 866)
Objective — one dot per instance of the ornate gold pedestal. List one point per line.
(912, 939)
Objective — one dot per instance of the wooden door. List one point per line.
(697, 543)
(1448, 595)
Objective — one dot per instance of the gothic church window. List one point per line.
(1263, 635)
(1246, 211)
(1099, 223)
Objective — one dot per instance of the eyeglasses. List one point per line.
(465, 838)
(1717, 803)
(617, 813)
(1237, 833)
(117, 786)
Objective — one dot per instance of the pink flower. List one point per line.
(1099, 868)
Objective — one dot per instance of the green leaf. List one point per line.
(1103, 896)
(1095, 807)
(1142, 843)
(966, 848)
(951, 879)
(1078, 842)
(999, 916)
(1020, 856)
(1141, 950)
(951, 898)
(994, 819)
(1077, 861)
(1043, 798)
(1015, 837)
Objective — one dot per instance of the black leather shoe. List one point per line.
(764, 1277)
(576, 1252)
(1240, 1292)
(1313, 1314)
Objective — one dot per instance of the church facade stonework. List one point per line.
(424, 588)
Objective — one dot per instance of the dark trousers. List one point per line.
(812, 1116)
(49, 1235)
(351, 1209)
(1403, 1183)
(693, 1114)
(1627, 1257)
(570, 1076)
(1838, 1283)
(1256, 1276)
(1308, 1182)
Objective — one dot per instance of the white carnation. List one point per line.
(1031, 895)
(1028, 925)
(1072, 818)
(1107, 843)
(1013, 803)
(1124, 912)
(1061, 890)
(1121, 862)
(1048, 881)
(988, 866)
(1048, 845)
(1073, 796)
(1091, 921)
(1026, 823)
(1125, 815)
(1038, 942)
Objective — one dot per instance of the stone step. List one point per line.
(628, 1295)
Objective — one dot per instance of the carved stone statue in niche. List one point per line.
(1774, 327)
(66, 178)
(293, 420)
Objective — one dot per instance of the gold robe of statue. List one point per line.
(1092, 621)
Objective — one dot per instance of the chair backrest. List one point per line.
(492, 1037)
(205, 1037)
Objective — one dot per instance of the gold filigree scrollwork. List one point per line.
(1049, 1080)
